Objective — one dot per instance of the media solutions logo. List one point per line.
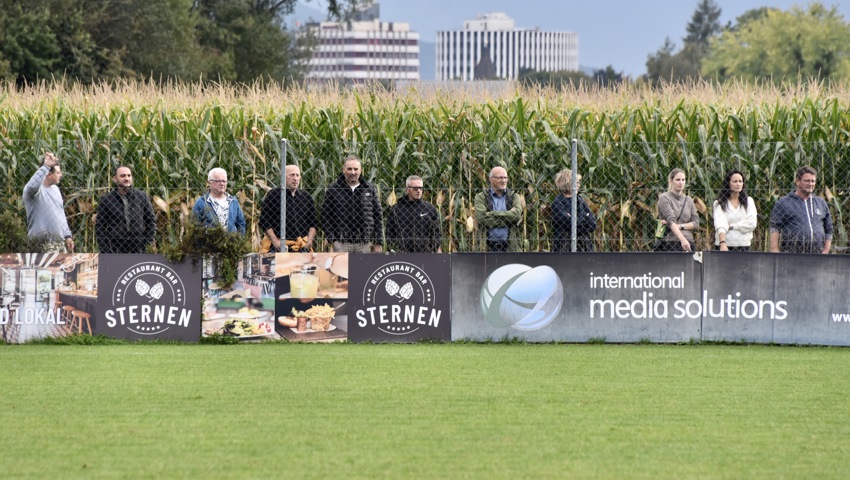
(149, 299)
(522, 297)
(400, 301)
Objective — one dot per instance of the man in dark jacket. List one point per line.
(413, 224)
(300, 212)
(125, 221)
(801, 218)
(351, 212)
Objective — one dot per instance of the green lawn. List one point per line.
(423, 411)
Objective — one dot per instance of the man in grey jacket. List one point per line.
(801, 218)
(44, 205)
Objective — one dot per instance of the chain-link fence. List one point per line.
(381, 206)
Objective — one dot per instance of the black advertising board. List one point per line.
(777, 298)
(544, 297)
(400, 298)
(146, 297)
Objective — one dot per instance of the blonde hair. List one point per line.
(564, 181)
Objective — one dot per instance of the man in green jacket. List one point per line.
(498, 212)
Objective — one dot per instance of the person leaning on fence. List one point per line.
(678, 212)
(801, 219)
(735, 215)
(45, 208)
(413, 225)
(351, 212)
(125, 219)
(498, 212)
(562, 216)
(300, 213)
(217, 207)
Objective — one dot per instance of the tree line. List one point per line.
(809, 43)
(96, 40)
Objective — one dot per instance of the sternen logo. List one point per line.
(148, 299)
(522, 297)
(399, 299)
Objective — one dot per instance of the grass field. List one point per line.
(423, 411)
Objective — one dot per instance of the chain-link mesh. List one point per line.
(620, 185)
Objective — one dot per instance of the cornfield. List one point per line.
(628, 139)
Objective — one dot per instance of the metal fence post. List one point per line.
(574, 203)
(284, 144)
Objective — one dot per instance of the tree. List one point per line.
(810, 44)
(90, 40)
(703, 26)
(558, 80)
(608, 77)
(686, 64)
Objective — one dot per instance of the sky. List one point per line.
(620, 33)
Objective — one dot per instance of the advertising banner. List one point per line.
(244, 309)
(400, 298)
(312, 293)
(146, 297)
(542, 297)
(46, 295)
(778, 298)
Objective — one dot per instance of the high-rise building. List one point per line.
(364, 48)
(490, 47)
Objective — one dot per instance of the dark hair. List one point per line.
(804, 170)
(53, 168)
(726, 191)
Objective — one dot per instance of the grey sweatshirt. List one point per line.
(45, 210)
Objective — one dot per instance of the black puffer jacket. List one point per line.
(352, 216)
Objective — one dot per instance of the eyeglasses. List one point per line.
(218, 181)
(416, 188)
(499, 178)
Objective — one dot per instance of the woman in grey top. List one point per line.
(678, 212)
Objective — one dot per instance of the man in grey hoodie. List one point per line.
(801, 218)
(44, 205)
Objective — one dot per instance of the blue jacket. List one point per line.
(204, 212)
(803, 225)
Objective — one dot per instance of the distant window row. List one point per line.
(337, 54)
(368, 41)
(363, 68)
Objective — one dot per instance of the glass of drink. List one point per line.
(303, 283)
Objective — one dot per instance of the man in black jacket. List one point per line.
(413, 224)
(351, 212)
(125, 221)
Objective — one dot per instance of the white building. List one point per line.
(364, 49)
(491, 43)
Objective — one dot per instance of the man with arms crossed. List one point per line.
(498, 211)
(801, 218)
(413, 224)
(125, 219)
(351, 212)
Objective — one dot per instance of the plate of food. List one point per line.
(245, 329)
(214, 316)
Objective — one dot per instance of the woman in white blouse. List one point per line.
(735, 214)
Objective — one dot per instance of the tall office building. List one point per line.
(490, 47)
(364, 48)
